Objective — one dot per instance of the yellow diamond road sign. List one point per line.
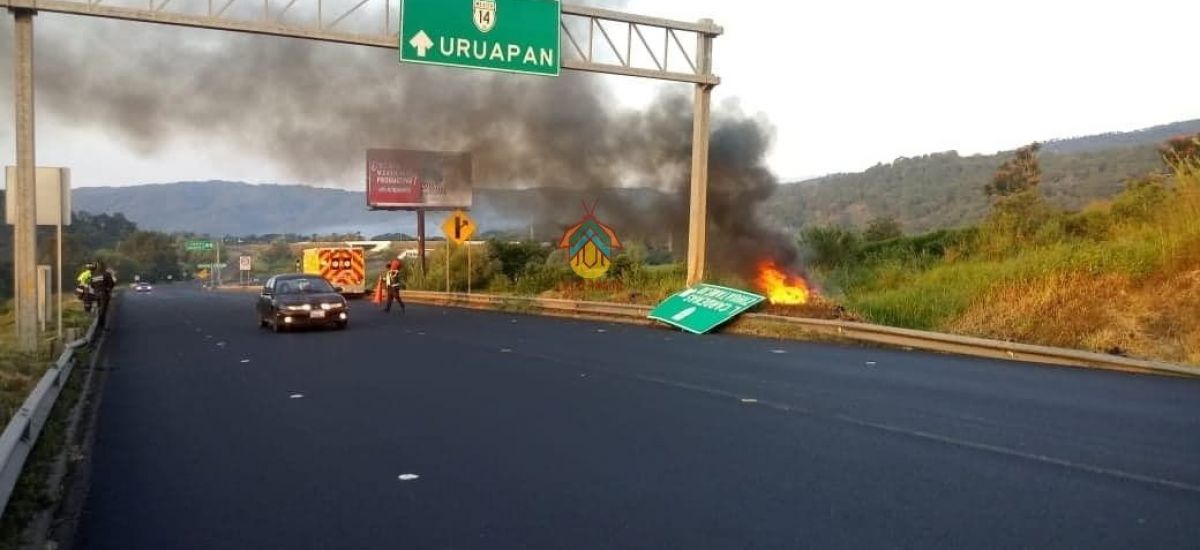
(458, 227)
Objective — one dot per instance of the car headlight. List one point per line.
(328, 306)
(304, 307)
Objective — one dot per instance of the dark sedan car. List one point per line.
(294, 300)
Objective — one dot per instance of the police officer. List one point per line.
(102, 285)
(85, 277)
(392, 283)
(83, 286)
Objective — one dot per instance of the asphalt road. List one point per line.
(531, 432)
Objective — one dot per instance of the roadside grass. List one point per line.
(32, 494)
(20, 371)
(1128, 284)
(644, 285)
(931, 298)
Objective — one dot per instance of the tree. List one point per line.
(278, 256)
(153, 254)
(830, 247)
(881, 229)
(1180, 151)
(514, 257)
(1018, 174)
(122, 266)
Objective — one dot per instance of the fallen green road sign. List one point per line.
(703, 307)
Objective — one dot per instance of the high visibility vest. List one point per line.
(392, 278)
(85, 277)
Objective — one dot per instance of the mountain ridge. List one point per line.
(927, 192)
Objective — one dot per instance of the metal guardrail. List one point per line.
(862, 332)
(26, 425)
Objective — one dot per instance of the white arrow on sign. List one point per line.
(421, 42)
(683, 314)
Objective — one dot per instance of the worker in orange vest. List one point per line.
(392, 282)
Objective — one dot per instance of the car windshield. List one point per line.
(307, 285)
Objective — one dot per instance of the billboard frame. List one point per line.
(447, 157)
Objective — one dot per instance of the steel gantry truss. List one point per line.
(592, 39)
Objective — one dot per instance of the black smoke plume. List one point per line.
(313, 109)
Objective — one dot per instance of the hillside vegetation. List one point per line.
(1119, 276)
(942, 190)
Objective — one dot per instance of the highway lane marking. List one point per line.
(296, 396)
(1100, 470)
(408, 477)
(778, 351)
(244, 361)
(994, 449)
(929, 436)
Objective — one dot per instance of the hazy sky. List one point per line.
(846, 83)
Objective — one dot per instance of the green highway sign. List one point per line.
(193, 246)
(519, 36)
(701, 308)
(207, 266)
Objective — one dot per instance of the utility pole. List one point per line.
(698, 211)
(421, 239)
(217, 266)
(23, 194)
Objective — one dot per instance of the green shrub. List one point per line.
(830, 247)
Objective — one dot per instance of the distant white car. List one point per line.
(142, 287)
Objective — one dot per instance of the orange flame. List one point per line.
(781, 287)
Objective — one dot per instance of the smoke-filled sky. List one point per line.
(308, 112)
(841, 86)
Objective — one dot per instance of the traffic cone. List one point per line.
(378, 296)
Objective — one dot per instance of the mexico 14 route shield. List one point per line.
(703, 307)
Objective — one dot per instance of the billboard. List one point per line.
(400, 179)
(52, 195)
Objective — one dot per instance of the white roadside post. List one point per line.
(52, 197)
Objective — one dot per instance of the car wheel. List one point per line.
(341, 325)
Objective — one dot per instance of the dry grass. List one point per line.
(1096, 312)
(1157, 318)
